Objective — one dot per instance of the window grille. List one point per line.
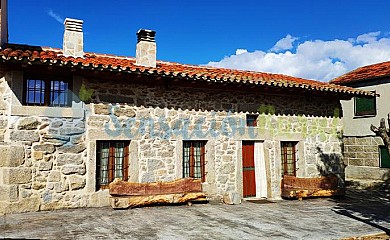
(288, 152)
(194, 159)
(44, 92)
(112, 162)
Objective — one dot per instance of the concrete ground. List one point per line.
(355, 215)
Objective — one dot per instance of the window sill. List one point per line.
(44, 111)
(364, 116)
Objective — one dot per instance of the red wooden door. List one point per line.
(248, 168)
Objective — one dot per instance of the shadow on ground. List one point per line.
(370, 205)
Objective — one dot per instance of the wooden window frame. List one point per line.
(251, 120)
(48, 91)
(284, 157)
(191, 166)
(111, 162)
(364, 113)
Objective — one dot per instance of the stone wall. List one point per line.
(44, 163)
(43, 159)
(362, 151)
(361, 155)
(159, 120)
(51, 161)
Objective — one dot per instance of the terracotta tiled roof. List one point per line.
(50, 56)
(364, 73)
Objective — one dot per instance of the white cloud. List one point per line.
(55, 16)
(284, 43)
(241, 51)
(313, 59)
(368, 37)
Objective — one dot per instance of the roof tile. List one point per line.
(364, 73)
(111, 62)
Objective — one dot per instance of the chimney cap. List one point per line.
(73, 25)
(68, 20)
(146, 35)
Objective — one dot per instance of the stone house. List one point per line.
(72, 121)
(364, 152)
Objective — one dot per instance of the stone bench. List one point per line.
(326, 186)
(129, 194)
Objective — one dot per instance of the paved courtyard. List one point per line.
(355, 215)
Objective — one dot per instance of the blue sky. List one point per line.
(312, 39)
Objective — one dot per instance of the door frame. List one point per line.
(249, 187)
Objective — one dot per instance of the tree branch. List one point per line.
(388, 122)
(382, 131)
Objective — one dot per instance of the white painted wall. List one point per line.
(360, 126)
(260, 171)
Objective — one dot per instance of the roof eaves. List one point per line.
(183, 71)
(344, 82)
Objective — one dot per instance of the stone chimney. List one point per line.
(3, 22)
(73, 38)
(146, 48)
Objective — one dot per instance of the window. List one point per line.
(46, 92)
(194, 159)
(365, 106)
(112, 162)
(251, 120)
(384, 157)
(288, 158)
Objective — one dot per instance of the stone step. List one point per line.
(363, 183)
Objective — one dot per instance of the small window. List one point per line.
(251, 120)
(365, 106)
(46, 92)
(112, 162)
(384, 157)
(194, 159)
(288, 158)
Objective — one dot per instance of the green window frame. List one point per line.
(365, 106)
(384, 157)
